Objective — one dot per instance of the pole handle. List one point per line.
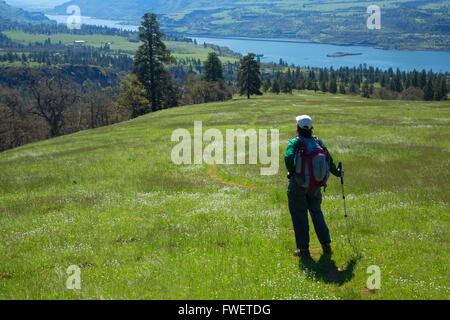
(340, 172)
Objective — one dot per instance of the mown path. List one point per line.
(212, 171)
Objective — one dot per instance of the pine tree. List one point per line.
(408, 82)
(428, 92)
(342, 88)
(300, 85)
(444, 90)
(437, 93)
(316, 88)
(423, 79)
(332, 86)
(249, 76)
(297, 73)
(149, 61)
(323, 86)
(276, 86)
(286, 86)
(415, 79)
(212, 68)
(309, 85)
(383, 81)
(267, 85)
(398, 82)
(365, 91)
(325, 75)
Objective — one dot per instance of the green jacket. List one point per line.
(292, 149)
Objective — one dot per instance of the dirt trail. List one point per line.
(212, 171)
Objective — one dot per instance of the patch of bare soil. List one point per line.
(5, 276)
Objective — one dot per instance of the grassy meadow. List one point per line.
(140, 227)
(179, 49)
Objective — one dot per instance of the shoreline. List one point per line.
(281, 40)
(287, 40)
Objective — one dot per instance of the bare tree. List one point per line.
(12, 132)
(102, 109)
(99, 106)
(52, 96)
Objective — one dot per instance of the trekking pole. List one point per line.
(345, 211)
(342, 184)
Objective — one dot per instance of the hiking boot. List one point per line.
(302, 253)
(327, 248)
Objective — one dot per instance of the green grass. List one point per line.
(117, 42)
(178, 49)
(333, 22)
(140, 227)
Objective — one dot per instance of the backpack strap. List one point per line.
(325, 149)
(302, 152)
(328, 159)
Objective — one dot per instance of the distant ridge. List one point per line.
(130, 10)
(21, 16)
(406, 24)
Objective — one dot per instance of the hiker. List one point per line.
(309, 165)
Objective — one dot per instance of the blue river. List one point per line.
(313, 54)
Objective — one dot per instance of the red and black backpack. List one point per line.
(313, 162)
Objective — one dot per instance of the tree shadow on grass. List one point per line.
(325, 269)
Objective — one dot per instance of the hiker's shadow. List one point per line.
(325, 269)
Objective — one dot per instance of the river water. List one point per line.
(313, 54)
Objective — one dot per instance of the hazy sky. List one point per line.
(35, 4)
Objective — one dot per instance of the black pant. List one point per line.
(300, 201)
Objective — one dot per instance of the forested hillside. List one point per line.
(21, 16)
(408, 24)
(55, 81)
(117, 9)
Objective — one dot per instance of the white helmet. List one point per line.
(304, 122)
